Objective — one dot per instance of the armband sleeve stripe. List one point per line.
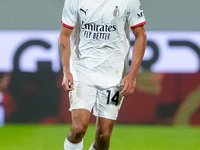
(137, 25)
(65, 25)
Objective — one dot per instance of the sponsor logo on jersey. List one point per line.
(97, 27)
(97, 31)
(116, 12)
(140, 15)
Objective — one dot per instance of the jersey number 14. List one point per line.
(114, 99)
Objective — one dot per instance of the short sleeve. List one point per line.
(69, 14)
(136, 15)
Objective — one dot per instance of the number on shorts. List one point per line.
(114, 99)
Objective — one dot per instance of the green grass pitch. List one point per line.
(124, 137)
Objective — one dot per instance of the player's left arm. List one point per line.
(129, 81)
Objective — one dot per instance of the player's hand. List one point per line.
(67, 82)
(128, 84)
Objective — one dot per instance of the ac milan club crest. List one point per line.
(116, 12)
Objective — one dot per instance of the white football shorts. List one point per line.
(106, 103)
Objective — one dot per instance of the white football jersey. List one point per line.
(100, 39)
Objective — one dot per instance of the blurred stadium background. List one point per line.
(168, 86)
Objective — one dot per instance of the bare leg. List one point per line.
(80, 120)
(104, 129)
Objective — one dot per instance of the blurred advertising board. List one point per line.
(167, 51)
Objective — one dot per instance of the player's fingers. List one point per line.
(123, 86)
(122, 83)
(71, 85)
(125, 94)
(128, 90)
(64, 85)
(132, 90)
(124, 90)
(122, 93)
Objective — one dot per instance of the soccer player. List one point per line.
(94, 48)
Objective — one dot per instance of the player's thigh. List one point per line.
(80, 118)
(104, 127)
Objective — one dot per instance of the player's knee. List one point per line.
(105, 137)
(79, 131)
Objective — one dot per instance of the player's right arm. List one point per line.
(65, 52)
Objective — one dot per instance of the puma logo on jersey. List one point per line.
(84, 11)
